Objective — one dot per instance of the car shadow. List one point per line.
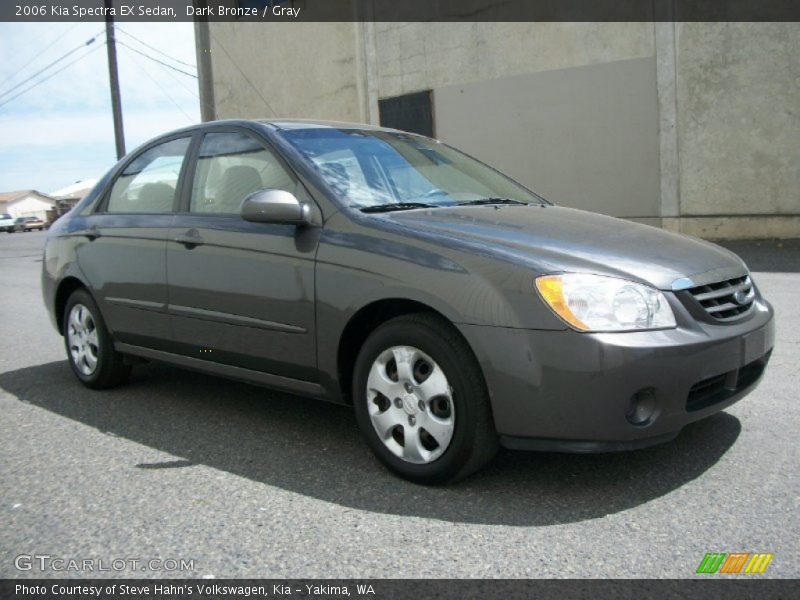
(313, 448)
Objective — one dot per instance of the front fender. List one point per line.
(358, 265)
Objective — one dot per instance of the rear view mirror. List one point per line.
(275, 206)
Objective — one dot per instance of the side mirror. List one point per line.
(275, 206)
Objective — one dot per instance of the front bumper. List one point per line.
(570, 391)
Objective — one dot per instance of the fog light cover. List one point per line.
(642, 408)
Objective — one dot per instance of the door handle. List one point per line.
(92, 233)
(190, 239)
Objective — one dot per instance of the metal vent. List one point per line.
(726, 300)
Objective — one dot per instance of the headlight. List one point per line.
(596, 303)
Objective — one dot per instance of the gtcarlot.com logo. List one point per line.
(47, 562)
(734, 562)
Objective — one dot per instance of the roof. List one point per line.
(8, 197)
(77, 190)
(276, 124)
(319, 124)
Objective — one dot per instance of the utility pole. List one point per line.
(204, 75)
(113, 79)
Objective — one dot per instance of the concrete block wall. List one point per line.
(691, 126)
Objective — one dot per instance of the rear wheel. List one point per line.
(90, 348)
(421, 402)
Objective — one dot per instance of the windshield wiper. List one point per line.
(395, 206)
(490, 201)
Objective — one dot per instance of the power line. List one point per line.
(161, 62)
(38, 54)
(154, 49)
(55, 62)
(51, 75)
(154, 80)
(181, 84)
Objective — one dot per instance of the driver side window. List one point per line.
(231, 166)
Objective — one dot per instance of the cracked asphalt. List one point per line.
(245, 482)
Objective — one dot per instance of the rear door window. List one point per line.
(150, 182)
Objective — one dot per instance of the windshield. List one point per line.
(371, 168)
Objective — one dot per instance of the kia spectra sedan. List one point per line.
(454, 309)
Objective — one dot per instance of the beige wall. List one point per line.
(552, 131)
(706, 129)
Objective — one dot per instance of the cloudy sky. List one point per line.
(62, 131)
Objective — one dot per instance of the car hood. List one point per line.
(552, 239)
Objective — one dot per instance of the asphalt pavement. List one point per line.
(241, 481)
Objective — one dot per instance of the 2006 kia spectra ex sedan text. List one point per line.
(453, 308)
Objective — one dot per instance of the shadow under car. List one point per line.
(313, 448)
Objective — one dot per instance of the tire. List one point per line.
(109, 369)
(422, 339)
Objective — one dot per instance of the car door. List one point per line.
(241, 293)
(123, 255)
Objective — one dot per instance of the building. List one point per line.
(69, 196)
(694, 127)
(27, 203)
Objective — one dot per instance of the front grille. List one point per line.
(726, 300)
(721, 387)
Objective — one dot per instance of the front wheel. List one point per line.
(421, 401)
(90, 348)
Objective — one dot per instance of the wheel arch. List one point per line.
(363, 322)
(65, 289)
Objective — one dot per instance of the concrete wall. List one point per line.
(416, 56)
(266, 70)
(739, 124)
(694, 126)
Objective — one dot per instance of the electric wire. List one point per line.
(160, 87)
(38, 54)
(182, 85)
(154, 49)
(51, 75)
(121, 43)
(55, 62)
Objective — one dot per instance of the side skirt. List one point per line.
(277, 382)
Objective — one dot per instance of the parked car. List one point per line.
(6, 223)
(453, 308)
(28, 224)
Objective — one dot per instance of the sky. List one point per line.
(62, 130)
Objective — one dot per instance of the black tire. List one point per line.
(111, 369)
(474, 441)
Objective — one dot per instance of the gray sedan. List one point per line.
(453, 308)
